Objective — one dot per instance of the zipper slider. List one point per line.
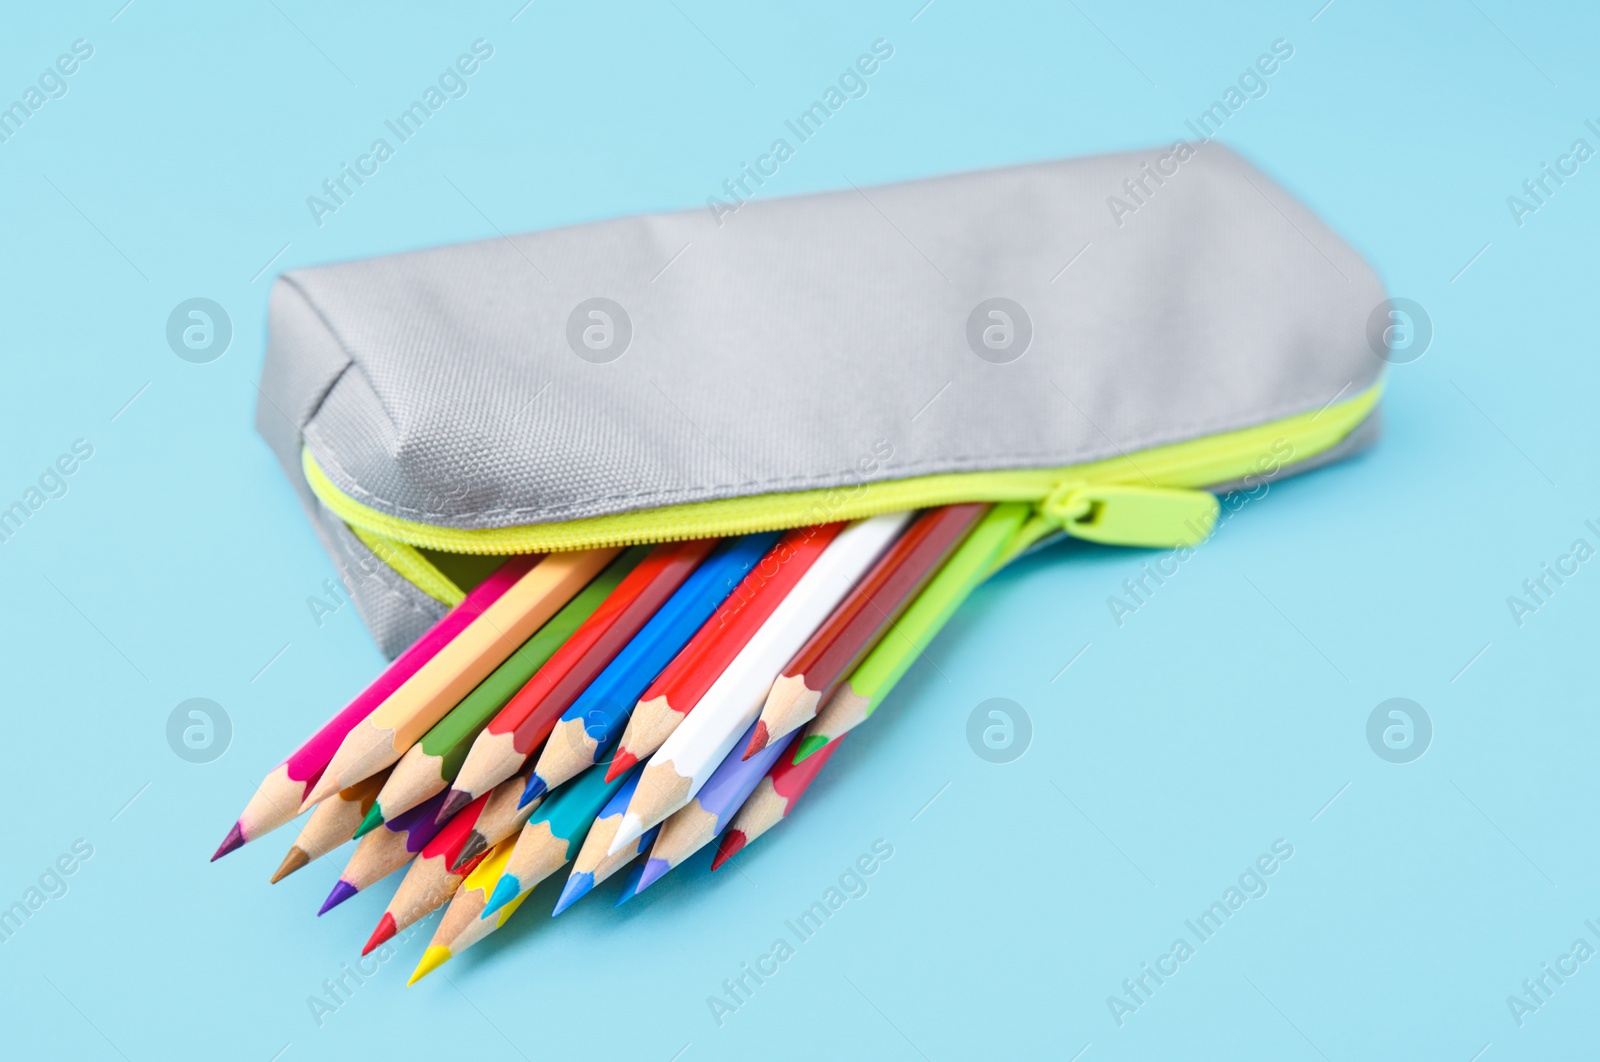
(1122, 514)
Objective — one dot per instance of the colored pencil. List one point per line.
(395, 725)
(687, 758)
(860, 620)
(384, 851)
(332, 823)
(691, 673)
(594, 863)
(515, 732)
(282, 794)
(433, 876)
(461, 927)
(501, 817)
(871, 682)
(696, 824)
(552, 836)
(429, 766)
(773, 799)
(592, 723)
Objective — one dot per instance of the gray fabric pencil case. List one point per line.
(1103, 338)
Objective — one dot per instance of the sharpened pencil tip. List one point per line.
(576, 888)
(234, 840)
(373, 820)
(728, 847)
(386, 929)
(432, 959)
(326, 786)
(811, 743)
(475, 845)
(293, 860)
(622, 762)
(508, 888)
(630, 830)
(452, 804)
(532, 791)
(342, 891)
(758, 741)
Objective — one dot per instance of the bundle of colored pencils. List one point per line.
(598, 706)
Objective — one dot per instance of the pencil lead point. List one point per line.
(432, 959)
(475, 845)
(532, 791)
(293, 860)
(809, 744)
(630, 830)
(342, 891)
(452, 804)
(372, 821)
(630, 886)
(622, 762)
(232, 842)
(758, 740)
(386, 929)
(576, 888)
(732, 842)
(508, 888)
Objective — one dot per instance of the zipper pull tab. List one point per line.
(1128, 515)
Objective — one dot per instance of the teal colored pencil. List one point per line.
(552, 836)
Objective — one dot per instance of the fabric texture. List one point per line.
(814, 341)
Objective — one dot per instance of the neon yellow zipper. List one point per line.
(1146, 498)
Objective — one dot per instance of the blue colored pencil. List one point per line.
(593, 865)
(695, 825)
(589, 726)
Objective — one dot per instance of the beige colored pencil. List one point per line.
(423, 699)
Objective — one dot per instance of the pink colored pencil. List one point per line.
(278, 798)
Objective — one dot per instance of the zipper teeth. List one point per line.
(1196, 463)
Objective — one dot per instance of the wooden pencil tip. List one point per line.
(386, 929)
(732, 842)
(758, 740)
(233, 841)
(293, 860)
(326, 786)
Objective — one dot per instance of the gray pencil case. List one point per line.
(1004, 335)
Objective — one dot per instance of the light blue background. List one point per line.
(1225, 714)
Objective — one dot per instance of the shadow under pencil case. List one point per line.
(992, 336)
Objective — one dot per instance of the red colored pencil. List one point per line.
(680, 687)
(775, 796)
(860, 620)
(516, 732)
